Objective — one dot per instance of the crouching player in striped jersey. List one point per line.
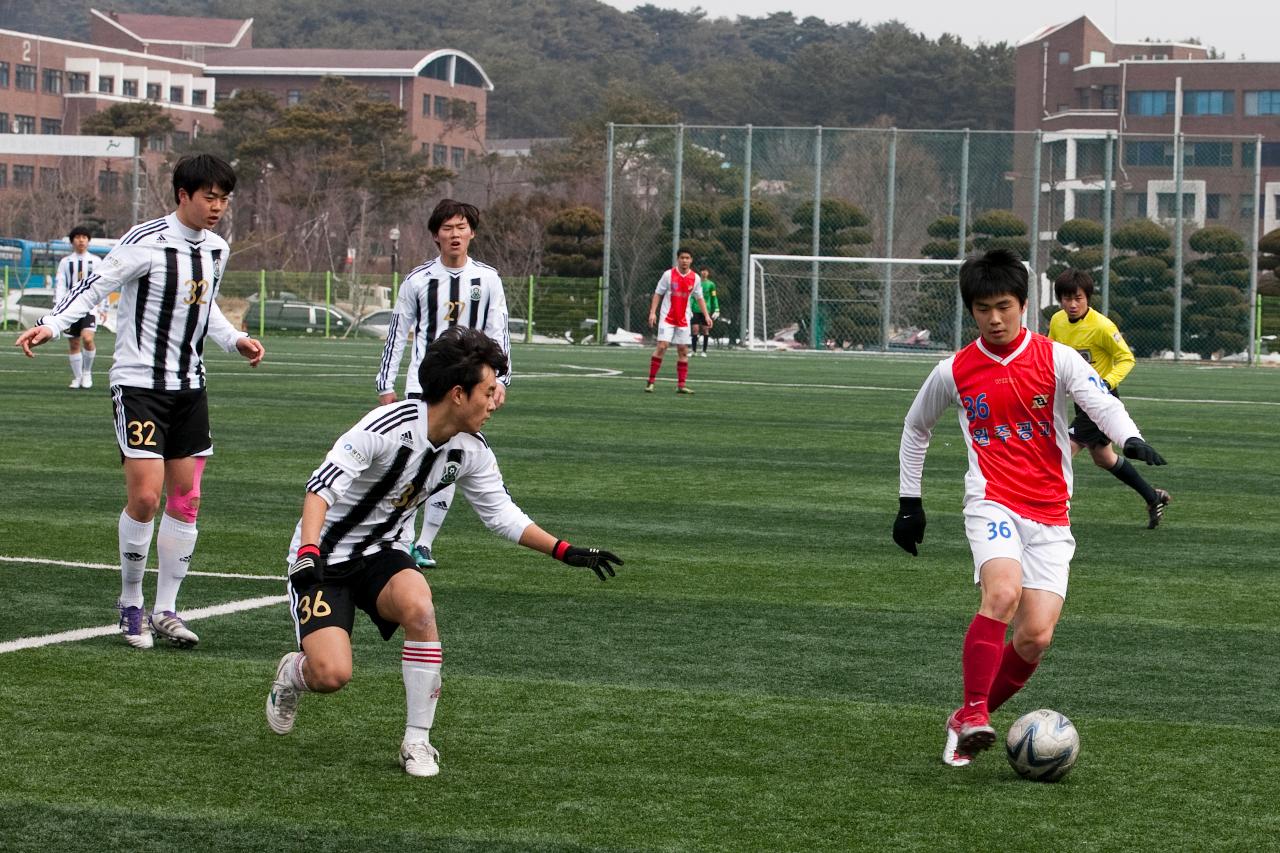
(1012, 388)
(167, 271)
(352, 547)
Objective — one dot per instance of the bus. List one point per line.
(33, 263)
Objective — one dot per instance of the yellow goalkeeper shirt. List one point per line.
(1096, 338)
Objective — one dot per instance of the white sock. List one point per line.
(135, 542)
(420, 665)
(86, 360)
(295, 676)
(174, 546)
(74, 359)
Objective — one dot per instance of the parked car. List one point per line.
(375, 323)
(287, 315)
(27, 306)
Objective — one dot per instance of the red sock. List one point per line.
(1014, 672)
(655, 364)
(981, 660)
(682, 372)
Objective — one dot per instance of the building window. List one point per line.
(24, 79)
(177, 95)
(1110, 97)
(24, 177)
(53, 81)
(1150, 103)
(1135, 205)
(51, 126)
(108, 182)
(77, 81)
(1207, 154)
(48, 178)
(1208, 103)
(458, 157)
(199, 97)
(130, 89)
(181, 138)
(107, 85)
(1165, 201)
(441, 107)
(439, 155)
(155, 143)
(153, 91)
(4, 175)
(1064, 57)
(4, 123)
(1213, 205)
(1270, 153)
(1097, 57)
(24, 124)
(4, 75)
(1148, 153)
(1263, 103)
(1246, 205)
(293, 97)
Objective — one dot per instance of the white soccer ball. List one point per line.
(1042, 746)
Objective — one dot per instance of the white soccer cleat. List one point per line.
(86, 381)
(135, 633)
(75, 383)
(951, 754)
(282, 701)
(419, 758)
(167, 625)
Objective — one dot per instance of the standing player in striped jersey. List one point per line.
(167, 271)
(1095, 337)
(72, 270)
(451, 290)
(352, 546)
(1012, 388)
(674, 290)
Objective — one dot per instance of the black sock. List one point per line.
(1129, 475)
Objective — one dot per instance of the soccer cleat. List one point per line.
(703, 354)
(282, 701)
(972, 735)
(135, 633)
(167, 625)
(75, 383)
(419, 758)
(422, 557)
(86, 381)
(951, 754)
(1155, 511)
(648, 388)
(684, 390)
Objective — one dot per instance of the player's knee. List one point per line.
(1001, 602)
(144, 505)
(419, 617)
(185, 505)
(1031, 644)
(326, 676)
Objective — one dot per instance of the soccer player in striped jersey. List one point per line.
(72, 270)
(351, 549)
(451, 290)
(674, 290)
(167, 271)
(1011, 388)
(1097, 339)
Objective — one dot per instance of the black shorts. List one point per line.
(161, 424)
(699, 319)
(87, 323)
(346, 586)
(1085, 432)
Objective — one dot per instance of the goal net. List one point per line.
(876, 304)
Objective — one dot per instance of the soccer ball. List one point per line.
(1042, 746)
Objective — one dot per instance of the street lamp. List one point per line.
(395, 248)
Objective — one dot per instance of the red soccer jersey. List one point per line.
(676, 291)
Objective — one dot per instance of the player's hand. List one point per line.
(307, 570)
(1106, 386)
(499, 396)
(908, 526)
(387, 398)
(598, 561)
(1136, 448)
(33, 337)
(251, 349)
(653, 320)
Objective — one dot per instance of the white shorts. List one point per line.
(1043, 550)
(678, 335)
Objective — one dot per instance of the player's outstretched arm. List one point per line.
(908, 525)
(597, 560)
(33, 337)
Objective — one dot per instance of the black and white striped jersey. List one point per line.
(168, 277)
(382, 469)
(434, 298)
(72, 270)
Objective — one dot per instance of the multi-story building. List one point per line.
(1080, 88)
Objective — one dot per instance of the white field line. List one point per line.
(116, 567)
(106, 630)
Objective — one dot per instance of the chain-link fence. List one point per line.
(1168, 226)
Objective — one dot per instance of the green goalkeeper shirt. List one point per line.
(709, 294)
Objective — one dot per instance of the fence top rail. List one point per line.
(949, 262)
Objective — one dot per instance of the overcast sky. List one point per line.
(1232, 26)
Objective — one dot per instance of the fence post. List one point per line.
(1255, 317)
(599, 309)
(1108, 172)
(964, 229)
(814, 336)
(262, 302)
(679, 193)
(395, 289)
(1178, 260)
(886, 304)
(746, 231)
(328, 296)
(528, 323)
(608, 230)
(1034, 261)
(5, 301)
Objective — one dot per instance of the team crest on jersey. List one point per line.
(451, 471)
(1039, 401)
(475, 293)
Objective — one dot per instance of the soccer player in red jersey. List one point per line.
(1012, 388)
(674, 289)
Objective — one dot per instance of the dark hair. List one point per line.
(1072, 280)
(994, 273)
(80, 231)
(197, 172)
(458, 357)
(683, 251)
(447, 209)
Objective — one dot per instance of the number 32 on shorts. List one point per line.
(1001, 530)
(308, 608)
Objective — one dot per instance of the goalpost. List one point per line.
(874, 304)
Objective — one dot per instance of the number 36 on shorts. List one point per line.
(1001, 530)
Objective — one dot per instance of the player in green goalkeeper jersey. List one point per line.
(701, 323)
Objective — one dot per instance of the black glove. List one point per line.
(307, 570)
(586, 558)
(1136, 448)
(908, 527)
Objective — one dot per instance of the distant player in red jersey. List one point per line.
(674, 290)
(1012, 388)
